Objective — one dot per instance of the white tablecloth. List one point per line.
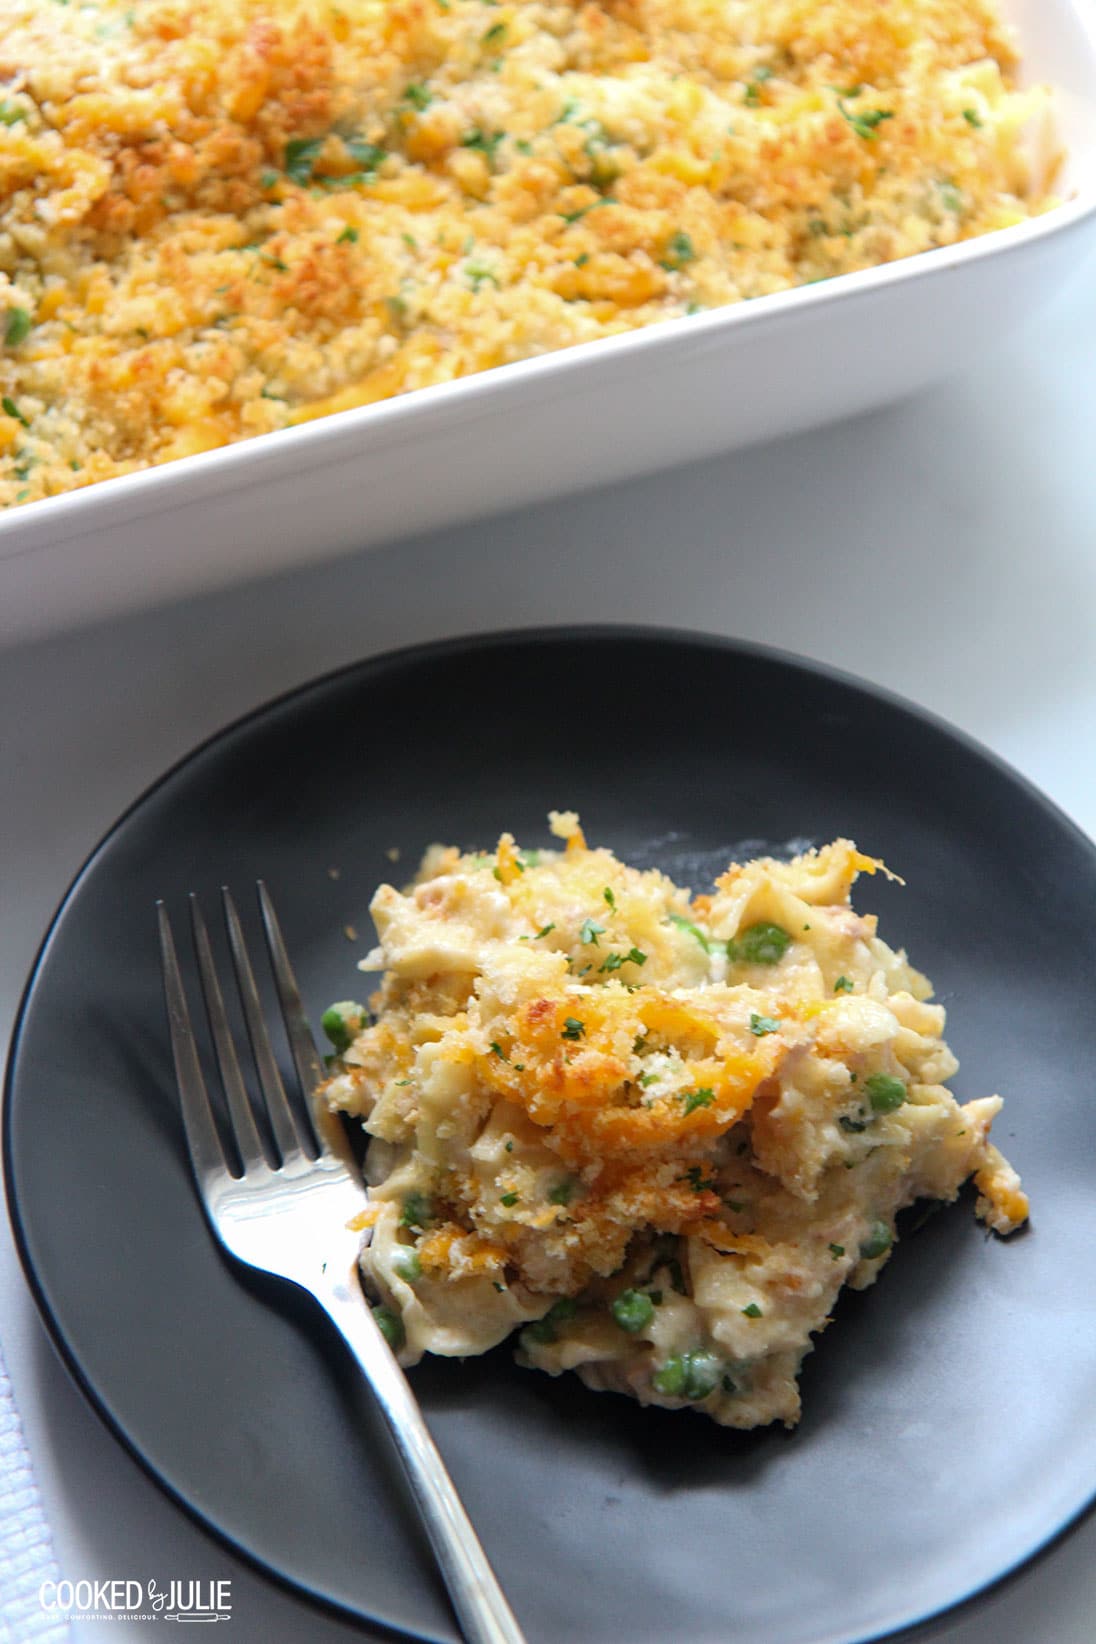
(945, 548)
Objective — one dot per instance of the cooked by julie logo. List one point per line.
(120, 1599)
(191, 1600)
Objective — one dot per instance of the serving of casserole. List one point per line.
(655, 1135)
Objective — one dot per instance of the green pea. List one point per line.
(878, 1242)
(671, 1378)
(542, 1331)
(406, 1264)
(702, 1372)
(760, 944)
(418, 1211)
(343, 1022)
(390, 1326)
(633, 1311)
(884, 1092)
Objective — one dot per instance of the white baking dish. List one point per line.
(603, 411)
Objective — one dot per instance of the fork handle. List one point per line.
(485, 1616)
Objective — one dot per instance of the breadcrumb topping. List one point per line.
(223, 217)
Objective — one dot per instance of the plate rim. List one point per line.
(920, 1627)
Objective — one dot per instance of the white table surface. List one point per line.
(945, 548)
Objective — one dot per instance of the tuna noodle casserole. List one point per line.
(657, 1135)
(221, 217)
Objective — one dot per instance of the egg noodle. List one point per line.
(222, 217)
(655, 1135)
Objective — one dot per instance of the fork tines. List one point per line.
(291, 1135)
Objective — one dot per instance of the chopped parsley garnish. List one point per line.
(950, 197)
(367, 155)
(682, 923)
(843, 985)
(752, 95)
(13, 410)
(574, 216)
(508, 1199)
(634, 956)
(697, 1181)
(837, 1250)
(752, 1311)
(760, 1025)
(477, 274)
(418, 1211)
(885, 1093)
(760, 944)
(497, 1050)
(269, 179)
(679, 252)
(562, 1193)
(646, 1080)
(864, 124)
(301, 154)
(573, 1028)
(703, 1097)
(590, 931)
(677, 1277)
(973, 118)
(495, 34)
(17, 327)
(609, 897)
(418, 95)
(485, 142)
(10, 115)
(349, 236)
(410, 241)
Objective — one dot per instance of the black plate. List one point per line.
(948, 1430)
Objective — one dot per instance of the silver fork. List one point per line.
(290, 1219)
